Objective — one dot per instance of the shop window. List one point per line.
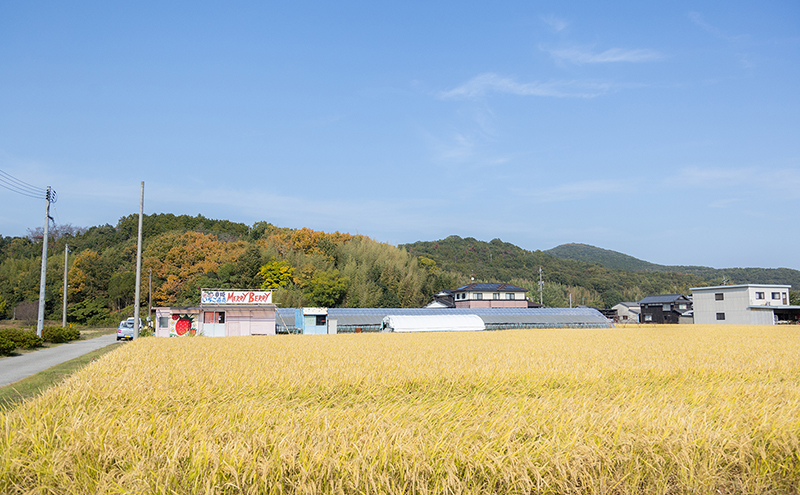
(321, 320)
(212, 317)
(720, 316)
(163, 322)
(719, 296)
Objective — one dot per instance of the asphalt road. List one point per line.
(16, 368)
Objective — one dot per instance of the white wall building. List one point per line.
(627, 312)
(749, 304)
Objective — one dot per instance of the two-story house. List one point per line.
(664, 308)
(747, 304)
(479, 295)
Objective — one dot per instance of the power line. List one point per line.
(20, 187)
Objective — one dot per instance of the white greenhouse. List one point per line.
(432, 323)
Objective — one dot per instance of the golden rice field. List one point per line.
(645, 410)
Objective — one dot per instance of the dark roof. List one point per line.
(662, 299)
(446, 301)
(491, 287)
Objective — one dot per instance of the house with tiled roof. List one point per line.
(665, 308)
(442, 299)
(481, 295)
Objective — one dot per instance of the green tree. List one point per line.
(276, 274)
(326, 288)
(122, 289)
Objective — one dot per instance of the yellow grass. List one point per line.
(668, 409)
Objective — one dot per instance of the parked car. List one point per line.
(125, 329)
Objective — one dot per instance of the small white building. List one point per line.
(747, 304)
(627, 312)
(222, 313)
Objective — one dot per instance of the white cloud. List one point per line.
(697, 18)
(573, 191)
(582, 56)
(555, 23)
(493, 83)
(751, 182)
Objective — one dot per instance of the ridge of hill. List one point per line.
(586, 283)
(620, 261)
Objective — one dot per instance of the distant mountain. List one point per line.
(606, 257)
(620, 261)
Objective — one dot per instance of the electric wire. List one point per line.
(20, 187)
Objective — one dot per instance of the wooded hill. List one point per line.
(620, 261)
(304, 267)
(183, 253)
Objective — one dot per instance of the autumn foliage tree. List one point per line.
(178, 260)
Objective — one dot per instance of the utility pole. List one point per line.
(43, 279)
(138, 268)
(150, 294)
(541, 287)
(64, 306)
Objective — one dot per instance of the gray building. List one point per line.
(747, 304)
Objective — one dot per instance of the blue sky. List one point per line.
(668, 132)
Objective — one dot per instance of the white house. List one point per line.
(480, 295)
(747, 304)
(627, 312)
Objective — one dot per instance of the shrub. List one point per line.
(26, 339)
(59, 335)
(7, 346)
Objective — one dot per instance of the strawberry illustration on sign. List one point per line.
(184, 325)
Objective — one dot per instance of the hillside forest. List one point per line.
(181, 254)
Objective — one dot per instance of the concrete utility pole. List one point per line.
(43, 279)
(150, 294)
(541, 287)
(64, 305)
(138, 269)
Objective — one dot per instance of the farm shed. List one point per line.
(222, 313)
(370, 319)
(432, 323)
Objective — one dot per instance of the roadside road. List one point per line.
(16, 368)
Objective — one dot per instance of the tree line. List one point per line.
(303, 267)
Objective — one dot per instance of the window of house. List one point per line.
(321, 320)
(719, 296)
(776, 295)
(479, 295)
(720, 316)
(682, 306)
(648, 317)
(666, 307)
(759, 295)
(496, 295)
(509, 295)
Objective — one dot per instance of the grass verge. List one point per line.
(27, 388)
